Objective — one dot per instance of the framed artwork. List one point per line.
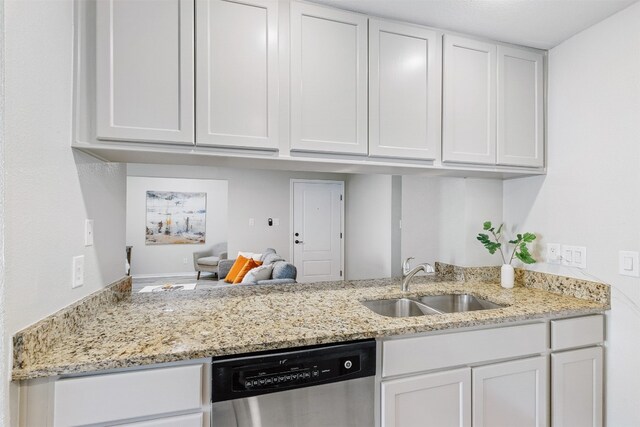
(175, 218)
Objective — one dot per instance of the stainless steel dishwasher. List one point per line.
(320, 386)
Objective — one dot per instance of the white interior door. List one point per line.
(317, 230)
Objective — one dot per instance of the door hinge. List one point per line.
(340, 273)
(341, 197)
(341, 235)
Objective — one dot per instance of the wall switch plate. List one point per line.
(628, 263)
(77, 269)
(185, 260)
(580, 256)
(567, 255)
(252, 222)
(553, 253)
(88, 232)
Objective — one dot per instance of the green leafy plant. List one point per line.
(520, 249)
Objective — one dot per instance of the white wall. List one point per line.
(257, 194)
(441, 218)
(590, 195)
(4, 370)
(368, 243)
(50, 189)
(169, 259)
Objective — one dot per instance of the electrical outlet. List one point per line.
(88, 232)
(77, 269)
(553, 253)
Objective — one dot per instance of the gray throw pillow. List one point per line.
(262, 272)
(284, 270)
(270, 258)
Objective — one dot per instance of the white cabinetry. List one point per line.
(237, 73)
(520, 108)
(469, 101)
(511, 393)
(494, 395)
(493, 111)
(328, 80)
(405, 78)
(144, 77)
(577, 375)
(175, 395)
(440, 399)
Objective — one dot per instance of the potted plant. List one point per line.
(520, 250)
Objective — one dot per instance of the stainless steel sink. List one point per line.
(456, 303)
(399, 307)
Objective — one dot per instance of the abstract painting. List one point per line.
(175, 218)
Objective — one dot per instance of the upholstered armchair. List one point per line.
(208, 260)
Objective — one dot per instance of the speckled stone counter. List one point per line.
(138, 329)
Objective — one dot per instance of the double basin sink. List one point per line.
(430, 304)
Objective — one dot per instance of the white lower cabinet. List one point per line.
(510, 394)
(576, 388)
(441, 399)
(496, 377)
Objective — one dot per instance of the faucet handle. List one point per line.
(405, 265)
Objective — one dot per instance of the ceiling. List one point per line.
(536, 23)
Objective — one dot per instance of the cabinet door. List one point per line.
(520, 108)
(511, 393)
(405, 81)
(237, 73)
(469, 101)
(442, 399)
(576, 388)
(328, 80)
(144, 86)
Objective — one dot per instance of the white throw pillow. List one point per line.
(255, 257)
(259, 273)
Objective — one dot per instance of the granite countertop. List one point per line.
(140, 329)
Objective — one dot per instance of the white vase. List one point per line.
(506, 276)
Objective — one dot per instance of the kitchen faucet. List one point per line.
(407, 274)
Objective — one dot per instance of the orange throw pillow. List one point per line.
(235, 269)
(249, 265)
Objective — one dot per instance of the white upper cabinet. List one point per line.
(405, 78)
(328, 80)
(520, 108)
(237, 73)
(144, 79)
(469, 101)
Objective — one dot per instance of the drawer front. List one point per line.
(191, 420)
(405, 356)
(120, 396)
(578, 332)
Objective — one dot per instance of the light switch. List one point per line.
(580, 256)
(628, 263)
(567, 255)
(88, 232)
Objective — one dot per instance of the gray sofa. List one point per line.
(283, 271)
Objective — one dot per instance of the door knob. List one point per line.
(297, 234)
(297, 242)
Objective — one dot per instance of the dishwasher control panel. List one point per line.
(263, 373)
